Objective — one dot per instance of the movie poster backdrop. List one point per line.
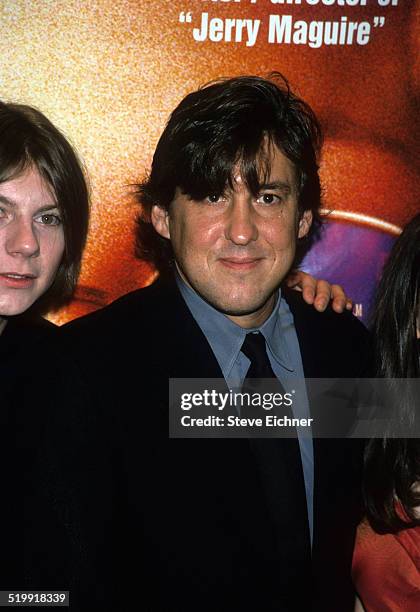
(109, 72)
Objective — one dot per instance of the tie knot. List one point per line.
(254, 347)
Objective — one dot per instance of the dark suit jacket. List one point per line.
(21, 343)
(170, 524)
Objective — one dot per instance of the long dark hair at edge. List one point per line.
(392, 466)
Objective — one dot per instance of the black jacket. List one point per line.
(162, 524)
(22, 342)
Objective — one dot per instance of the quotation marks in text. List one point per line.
(283, 30)
(185, 17)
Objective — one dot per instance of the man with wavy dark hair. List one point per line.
(218, 524)
(227, 127)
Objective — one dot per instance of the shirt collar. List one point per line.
(226, 337)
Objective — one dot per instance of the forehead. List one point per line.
(27, 187)
(273, 163)
(272, 166)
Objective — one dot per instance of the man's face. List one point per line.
(235, 249)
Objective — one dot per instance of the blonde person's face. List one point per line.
(31, 241)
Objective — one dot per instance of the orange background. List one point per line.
(109, 72)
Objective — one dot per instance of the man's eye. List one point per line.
(268, 198)
(48, 219)
(214, 198)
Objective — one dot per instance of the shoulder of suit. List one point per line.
(21, 332)
(29, 327)
(338, 342)
(143, 306)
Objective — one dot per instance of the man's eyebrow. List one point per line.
(277, 185)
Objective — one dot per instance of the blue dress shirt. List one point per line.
(226, 338)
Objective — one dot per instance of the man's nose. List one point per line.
(22, 238)
(241, 226)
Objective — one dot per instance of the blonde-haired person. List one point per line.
(44, 211)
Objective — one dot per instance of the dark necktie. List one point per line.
(254, 347)
(280, 467)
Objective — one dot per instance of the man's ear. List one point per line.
(160, 221)
(305, 223)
